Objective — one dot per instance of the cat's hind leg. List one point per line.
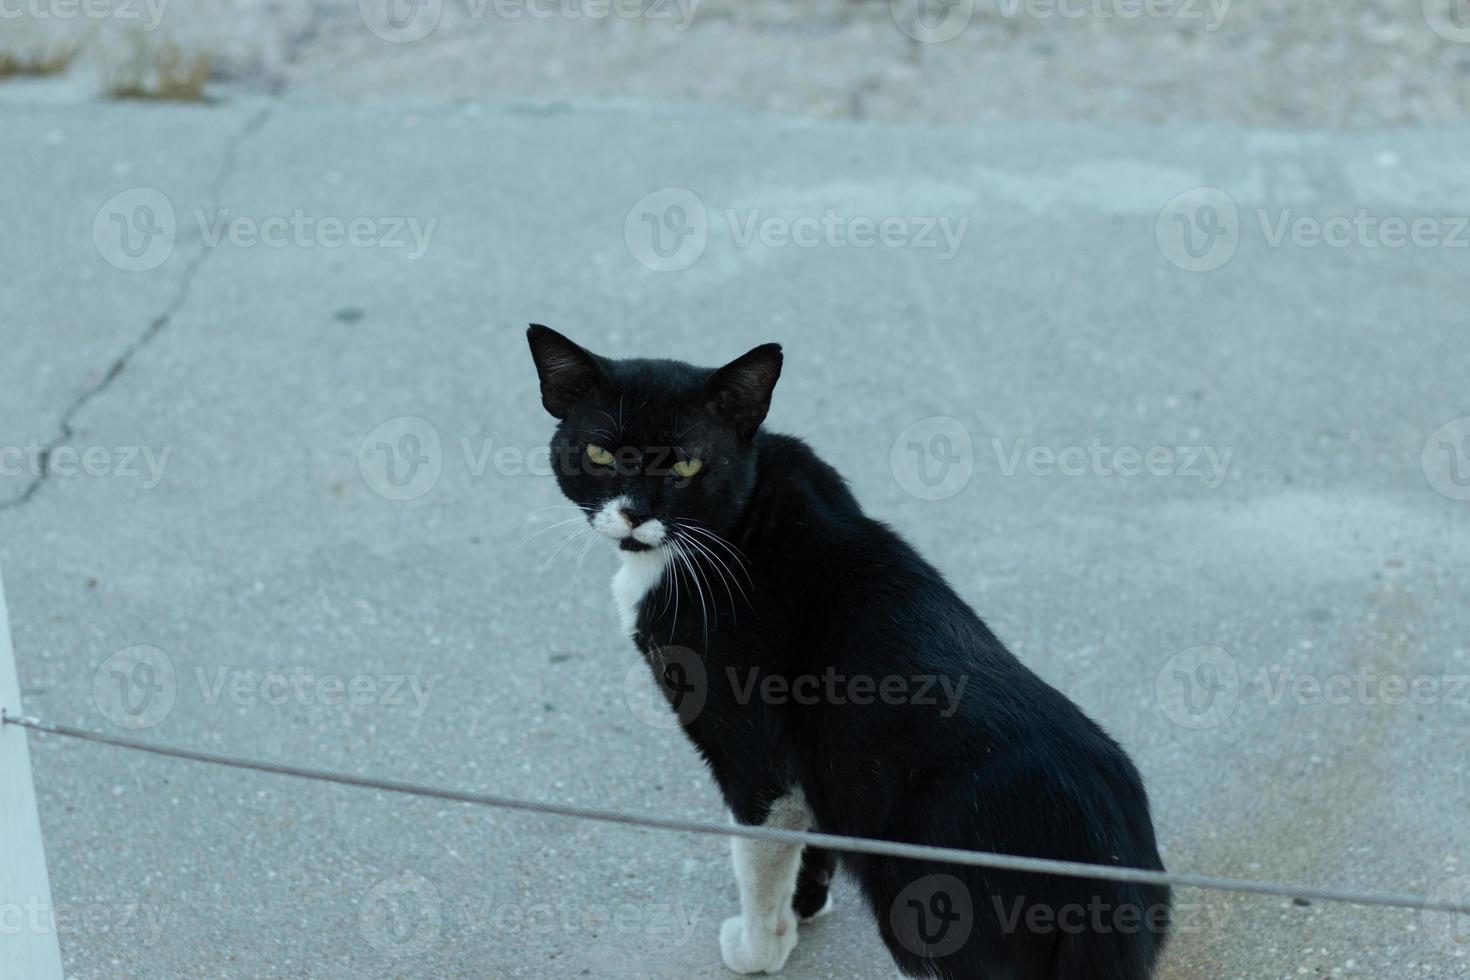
(813, 897)
(762, 936)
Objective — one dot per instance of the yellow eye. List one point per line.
(599, 455)
(688, 467)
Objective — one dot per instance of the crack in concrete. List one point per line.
(155, 327)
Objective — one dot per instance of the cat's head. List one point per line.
(652, 448)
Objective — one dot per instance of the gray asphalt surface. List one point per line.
(1063, 327)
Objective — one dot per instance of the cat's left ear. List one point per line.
(740, 392)
(568, 372)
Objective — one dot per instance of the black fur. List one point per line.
(822, 590)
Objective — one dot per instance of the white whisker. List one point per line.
(697, 582)
(562, 544)
(674, 578)
(720, 569)
(591, 540)
(733, 551)
(549, 527)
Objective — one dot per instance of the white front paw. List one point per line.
(757, 950)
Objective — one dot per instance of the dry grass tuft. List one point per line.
(41, 60)
(156, 67)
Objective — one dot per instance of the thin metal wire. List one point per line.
(832, 842)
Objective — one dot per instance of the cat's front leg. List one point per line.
(762, 936)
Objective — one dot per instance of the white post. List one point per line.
(28, 943)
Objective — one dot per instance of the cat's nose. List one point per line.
(635, 515)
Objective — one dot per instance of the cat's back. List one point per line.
(846, 587)
(792, 478)
(816, 536)
(804, 504)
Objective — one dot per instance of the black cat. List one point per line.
(833, 680)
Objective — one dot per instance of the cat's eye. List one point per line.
(598, 455)
(688, 467)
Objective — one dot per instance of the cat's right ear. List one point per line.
(740, 392)
(568, 372)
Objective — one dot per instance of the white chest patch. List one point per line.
(640, 572)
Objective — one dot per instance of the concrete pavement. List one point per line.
(1213, 467)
